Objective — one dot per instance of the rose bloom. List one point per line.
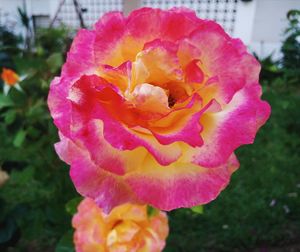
(151, 107)
(126, 228)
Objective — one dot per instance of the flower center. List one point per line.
(171, 101)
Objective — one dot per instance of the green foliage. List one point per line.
(32, 212)
(291, 48)
(260, 208)
(8, 47)
(151, 211)
(198, 209)
(71, 206)
(49, 41)
(66, 243)
(8, 41)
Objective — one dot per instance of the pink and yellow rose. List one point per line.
(151, 107)
(125, 228)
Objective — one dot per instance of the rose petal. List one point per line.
(80, 61)
(180, 184)
(150, 98)
(148, 24)
(106, 189)
(156, 64)
(92, 98)
(235, 125)
(181, 124)
(224, 58)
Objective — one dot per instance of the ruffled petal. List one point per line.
(103, 154)
(181, 124)
(107, 189)
(58, 104)
(180, 184)
(193, 73)
(156, 64)
(225, 59)
(120, 76)
(148, 24)
(93, 98)
(80, 60)
(151, 99)
(235, 125)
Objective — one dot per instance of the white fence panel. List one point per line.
(222, 11)
(92, 11)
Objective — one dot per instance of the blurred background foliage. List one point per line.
(260, 209)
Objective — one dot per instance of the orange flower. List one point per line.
(10, 77)
(126, 228)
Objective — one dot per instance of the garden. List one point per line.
(258, 211)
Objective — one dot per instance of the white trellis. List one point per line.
(245, 19)
(91, 11)
(235, 16)
(222, 11)
(1, 16)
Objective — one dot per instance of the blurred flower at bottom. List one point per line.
(3, 177)
(126, 228)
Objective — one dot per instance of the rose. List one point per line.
(126, 228)
(151, 107)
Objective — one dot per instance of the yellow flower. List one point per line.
(127, 228)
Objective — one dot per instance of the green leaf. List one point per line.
(55, 60)
(19, 138)
(151, 211)
(197, 209)
(33, 132)
(10, 116)
(5, 101)
(71, 206)
(23, 176)
(66, 243)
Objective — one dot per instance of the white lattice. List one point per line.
(1, 14)
(92, 11)
(222, 11)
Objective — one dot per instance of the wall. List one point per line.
(9, 15)
(269, 25)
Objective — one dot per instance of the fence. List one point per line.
(91, 11)
(228, 13)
